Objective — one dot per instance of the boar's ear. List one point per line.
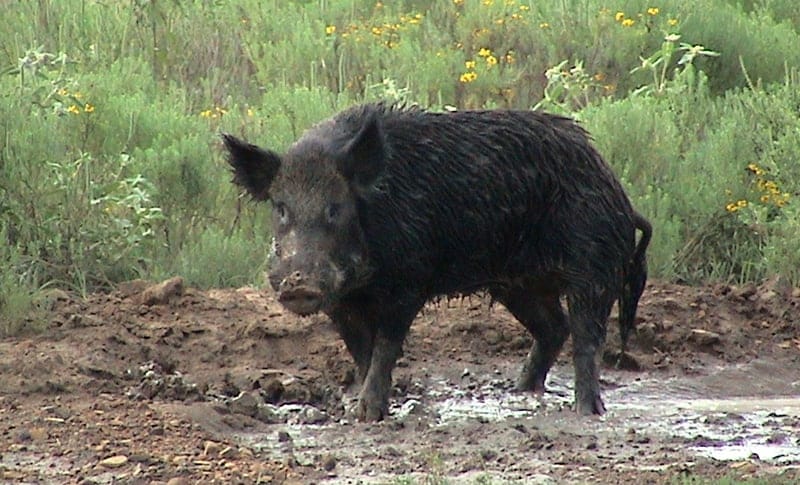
(362, 158)
(253, 168)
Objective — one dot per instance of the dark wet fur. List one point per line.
(518, 203)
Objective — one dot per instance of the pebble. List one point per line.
(211, 448)
(178, 481)
(115, 461)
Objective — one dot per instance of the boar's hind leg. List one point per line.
(588, 312)
(542, 315)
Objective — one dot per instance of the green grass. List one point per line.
(110, 164)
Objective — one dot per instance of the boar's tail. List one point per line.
(634, 282)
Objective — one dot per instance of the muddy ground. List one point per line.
(174, 385)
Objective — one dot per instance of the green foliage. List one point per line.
(110, 166)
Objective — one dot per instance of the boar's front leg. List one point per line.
(373, 400)
(389, 324)
(358, 333)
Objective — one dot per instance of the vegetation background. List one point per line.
(110, 110)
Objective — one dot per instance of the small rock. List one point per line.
(178, 481)
(229, 452)
(245, 403)
(312, 415)
(704, 337)
(540, 479)
(211, 448)
(284, 437)
(328, 463)
(267, 414)
(115, 461)
(161, 293)
(38, 434)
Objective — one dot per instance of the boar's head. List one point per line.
(319, 251)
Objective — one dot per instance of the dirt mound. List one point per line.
(149, 381)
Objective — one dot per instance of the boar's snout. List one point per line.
(298, 296)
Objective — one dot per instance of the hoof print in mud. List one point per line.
(383, 208)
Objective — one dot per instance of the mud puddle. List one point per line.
(467, 424)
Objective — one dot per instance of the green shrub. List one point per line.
(111, 168)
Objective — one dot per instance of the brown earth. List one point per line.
(165, 384)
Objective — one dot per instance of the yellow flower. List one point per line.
(488, 3)
(741, 203)
(379, 5)
(672, 22)
(510, 57)
(491, 60)
(63, 92)
(484, 52)
(500, 21)
(206, 114)
(524, 8)
(458, 2)
(731, 207)
(88, 108)
(755, 169)
(544, 25)
(250, 112)
(74, 110)
(765, 198)
(628, 22)
(377, 31)
(619, 16)
(468, 77)
(330, 30)
(470, 64)
(652, 11)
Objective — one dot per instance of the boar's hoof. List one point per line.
(302, 300)
(590, 405)
(368, 411)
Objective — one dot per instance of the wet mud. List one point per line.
(224, 386)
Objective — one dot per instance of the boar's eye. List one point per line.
(280, 210)
(332, 212)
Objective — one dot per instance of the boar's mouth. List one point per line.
(302, 300)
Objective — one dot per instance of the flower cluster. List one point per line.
(388, 33)
(216, 112)
(651, 12)
(768, 192)
(74, 100)
(489, 60)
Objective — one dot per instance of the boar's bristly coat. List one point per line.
(381, 208)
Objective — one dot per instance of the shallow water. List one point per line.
(709, 416)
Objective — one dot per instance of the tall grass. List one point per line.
(110, 165)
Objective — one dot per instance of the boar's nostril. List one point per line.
(292, 281)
